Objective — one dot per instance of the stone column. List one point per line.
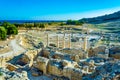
(69, 41)
(47, 39)
(87, 31)
(57, 41)
(63, 41)
(85, 44)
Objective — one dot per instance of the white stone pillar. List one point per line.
(57, 41)
(47, 40)
(63, 41)
(85, 44)
(69, 41)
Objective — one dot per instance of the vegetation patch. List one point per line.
(1, 73)
(7, 29)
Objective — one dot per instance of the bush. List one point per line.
(3, 33)
(7, 29)
(12, 30)
(1, 74)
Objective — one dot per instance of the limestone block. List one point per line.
(41, 64)
(72, 73)
(91, 52)
(77, 58)
(2, 62)
(45, 53)
(11, 67)
(91, 63)
(58, 56)
(55, 69)
(116, 56)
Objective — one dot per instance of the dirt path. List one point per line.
(16, 49)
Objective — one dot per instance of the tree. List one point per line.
(69, 22)
(0, 23)
(3, 33)
(6, 24)
(36, 24)
(12, 30)
(42, 26)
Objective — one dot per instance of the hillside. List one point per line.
(103, 19)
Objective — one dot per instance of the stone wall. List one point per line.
(116, 55)
(2, 62)
(55, 68)
(11, 67)
(72, 73)
(58, 68)
(31, 55)
(41, 64)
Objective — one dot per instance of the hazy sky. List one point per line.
(56, 9)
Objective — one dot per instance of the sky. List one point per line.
(56, 9)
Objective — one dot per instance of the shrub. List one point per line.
(3, 33)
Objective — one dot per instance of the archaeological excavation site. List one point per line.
(56, 55)
(59, 39)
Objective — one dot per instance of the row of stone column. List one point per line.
(58, 42)
(85, 44)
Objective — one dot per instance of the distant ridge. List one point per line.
(102, 19)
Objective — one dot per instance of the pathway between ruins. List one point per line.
(16, 49)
